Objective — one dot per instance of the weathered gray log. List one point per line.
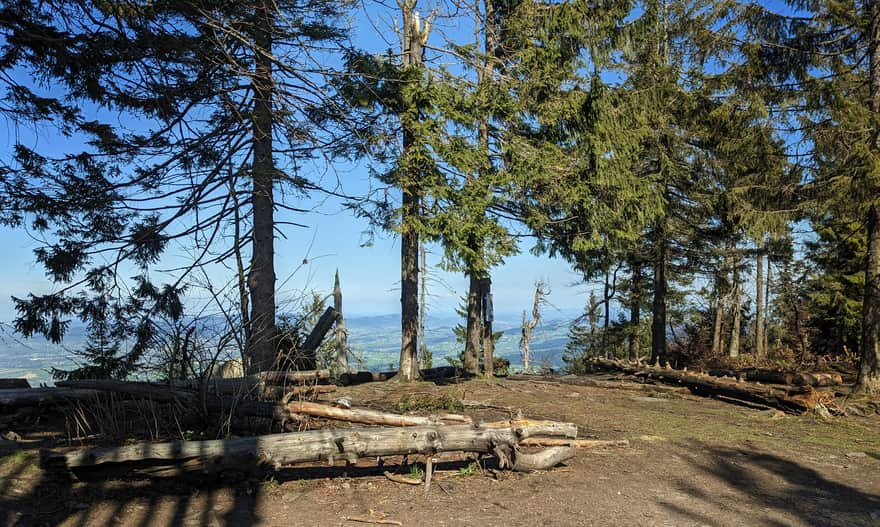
(44, 396)
(369, 417)
(794, 400)
(312, 446)
(543, 460)
(9, 384)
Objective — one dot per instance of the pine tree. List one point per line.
(824, 71)
(226, 107)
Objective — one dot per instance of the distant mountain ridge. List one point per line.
(374, 338)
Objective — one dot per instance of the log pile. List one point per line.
(792, 399)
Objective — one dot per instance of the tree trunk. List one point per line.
(526, 339)
(370, 417)
(794, 400)
(635, 311)
(261, 280)
(606, 304)
(314, 446)
(658, 324)
(737, 315)
(474, 327)
(423, 305)
(488, 315)
(759, 304)
(767, 304)
(868, 381)
(341, 330)
(411, 209)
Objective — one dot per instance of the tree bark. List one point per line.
(261, 280)
(423, 305)
(759, 304)
(309, 447)
(488, 343)
(767, 303)
(658, 323)
(737, 312)
(474, 330)
(369, 417)
(635, 311)
(341, 330)
(411, 206)
(868, 381)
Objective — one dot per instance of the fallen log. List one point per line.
(292, 377)
(19, 397)
(277, 450)
(793, 400)
(143, 390)
(428, 374)
(781, 377)
(9, 384)
(575, 380)
(368, 417)
(576, 443)
(546, 459)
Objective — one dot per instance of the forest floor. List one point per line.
(691, 461)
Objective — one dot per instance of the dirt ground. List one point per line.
(691, 461)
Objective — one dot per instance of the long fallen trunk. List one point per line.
(9, 384)
(781, 377)
(428, 374)
(317, 446)
(793, 400)
(20, 397)
(369, 417)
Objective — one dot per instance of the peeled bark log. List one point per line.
(544, 460)
(794, 400)
(308, 447)
(368, 417)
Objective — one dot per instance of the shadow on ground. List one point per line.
(758, 488)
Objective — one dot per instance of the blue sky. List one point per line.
(332, 240)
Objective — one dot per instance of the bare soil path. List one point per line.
(691, 462)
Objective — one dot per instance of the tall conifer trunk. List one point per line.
(868, 380)
(635, 311)
(737, 313)
(474, 334)
(261, 279)
(411, 206)
(488, 343)
(759, 304)
(658, 324)
(869, 366)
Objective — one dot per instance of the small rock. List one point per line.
(875, 514)
(573, 394)
(856, 454)
(11, 436)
